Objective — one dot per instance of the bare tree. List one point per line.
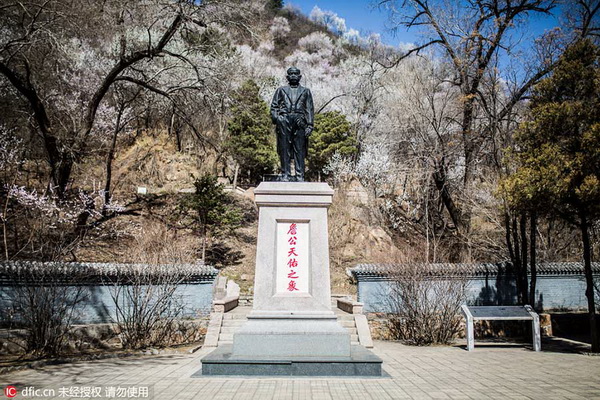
(46, 54)
(35, 28)
(42, 303)
(424, 304)
(470, 36)
(148, 305)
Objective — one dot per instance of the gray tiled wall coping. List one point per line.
(475, 270)
(87, 273)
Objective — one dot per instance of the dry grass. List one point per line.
(160, 245)
(355, 233)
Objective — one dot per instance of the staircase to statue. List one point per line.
(231, 321)
(223, 325)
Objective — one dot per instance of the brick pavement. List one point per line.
(502, 372)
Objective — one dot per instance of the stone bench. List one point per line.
(501, 313)
(226, 304)
(227, 295)
(350, 306)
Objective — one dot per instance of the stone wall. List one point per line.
(99, 307)
(560, 286)
(194, 289)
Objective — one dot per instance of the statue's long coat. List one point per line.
(291, 137)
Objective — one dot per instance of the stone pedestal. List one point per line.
(292, 313)
(291, 322)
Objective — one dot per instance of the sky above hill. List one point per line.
(365, 18)
(360, 15)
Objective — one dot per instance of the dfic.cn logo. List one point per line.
(10, 391)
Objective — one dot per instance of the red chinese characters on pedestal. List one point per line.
(292, 262)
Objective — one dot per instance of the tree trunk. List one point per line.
(589, 278)
(174, 129)
(235, 176)
(178, 137)
(64, 173)
(171, 123)
(4, 231)
(509, 243)
(523, 230)
(517, 261)
(532, 253)
(467, 135)
(204, 242)
(60, 166)
(109, 160)
(441, 183)
(82, 218)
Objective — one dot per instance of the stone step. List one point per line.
(229, 337)
(228, 323)
(222, 342)
(360, 362)
(245, 302)
(228, 316)
(346, 323)
(345, 317)
(225, 342)
(234, 320)
(225, 330)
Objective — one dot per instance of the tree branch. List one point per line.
(329, 101)
(123, 64)
(143, 84)
(415, 50)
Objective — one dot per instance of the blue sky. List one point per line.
(362, 16)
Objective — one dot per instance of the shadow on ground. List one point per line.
(551, 344)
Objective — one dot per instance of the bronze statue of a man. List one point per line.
(292, 112)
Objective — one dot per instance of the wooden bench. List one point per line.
(501, 313)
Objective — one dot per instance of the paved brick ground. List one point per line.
(503, 372)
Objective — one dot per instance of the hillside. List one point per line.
(104, 133)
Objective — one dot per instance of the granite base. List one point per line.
(361, 362)
(287, 335)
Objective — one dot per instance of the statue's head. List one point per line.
(293, 76)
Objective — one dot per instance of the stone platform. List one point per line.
(361, 362)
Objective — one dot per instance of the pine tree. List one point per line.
(275, 5)
(251, 142)
(558, 152)
(332, 134)
(213, 210)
